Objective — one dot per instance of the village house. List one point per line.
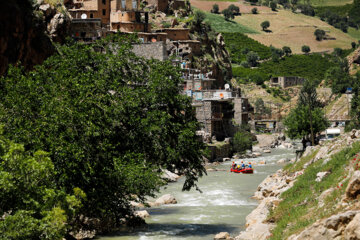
(284, 82)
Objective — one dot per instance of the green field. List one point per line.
(355, 33)
(219, 24)
(328, 2)
(312, 67)
(237, 42)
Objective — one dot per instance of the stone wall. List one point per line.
(155, 50)
(219, 150)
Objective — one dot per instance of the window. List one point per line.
(91, 15)
(134, 4)
(104, 12)
(123, 4)
(104, 2)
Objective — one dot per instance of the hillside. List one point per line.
(294, 30)
(287, 28)
(315, 197)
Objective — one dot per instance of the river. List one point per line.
(221, 207)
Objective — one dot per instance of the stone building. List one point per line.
(84, 9)
(115, 15)
(284, 82)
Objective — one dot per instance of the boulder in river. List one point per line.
(222, 235)
(142, 214)
(165, 199)
(170, 176)
(256, 154)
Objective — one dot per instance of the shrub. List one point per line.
(234, 9)
(305, 49)
(227, 14)
(320, 34)
(252, 58)
(254, 11)
(265, 25)
(257, 79)
(287, 50)
(242, 141)
(215, 9)
(273, 5)
(245, 64)
(353, 44)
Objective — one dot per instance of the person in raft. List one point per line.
(250, 166)
(233, 165)
(242, 165)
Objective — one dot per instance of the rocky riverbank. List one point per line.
(344, 223)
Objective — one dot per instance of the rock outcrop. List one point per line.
(344, 224)
(27, 30)
(353, 189)
(333, 227)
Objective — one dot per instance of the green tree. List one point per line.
(353, 44)
(31, 204)
(199, 17)
(287, 50)
(109, 120)
(242, 141)
(305, 49)
(215, 9)
(308, 100)
(338, 79)
(276, 53)
(355, 105)
(228, 14)
(234, 9)
(252, 58)
(254, 11)
(257, 79)
(320, 34)
(273, 5)
(298, 125)
(260, 108)
(265, 25)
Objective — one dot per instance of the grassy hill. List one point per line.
(287, 28)
(219, 24)
(311, 67)
(236, 43)
(294, 30)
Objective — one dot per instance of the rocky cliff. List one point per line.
(27, 30)
(317, 197)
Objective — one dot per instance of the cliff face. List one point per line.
(27, 30)
(316, 197)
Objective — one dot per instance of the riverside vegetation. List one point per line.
(108, 130)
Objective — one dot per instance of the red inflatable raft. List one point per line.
(245, 170)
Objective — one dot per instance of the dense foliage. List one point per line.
(30, 202)
(307, 119)
(239, 45)
(311, 67)
(341, 17)
(109, 120)
(242, 141)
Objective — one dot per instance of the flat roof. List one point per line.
(333, 131)
(80, 20)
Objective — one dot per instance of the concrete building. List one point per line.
(86, 29)
(84, 9)
(284, 82)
